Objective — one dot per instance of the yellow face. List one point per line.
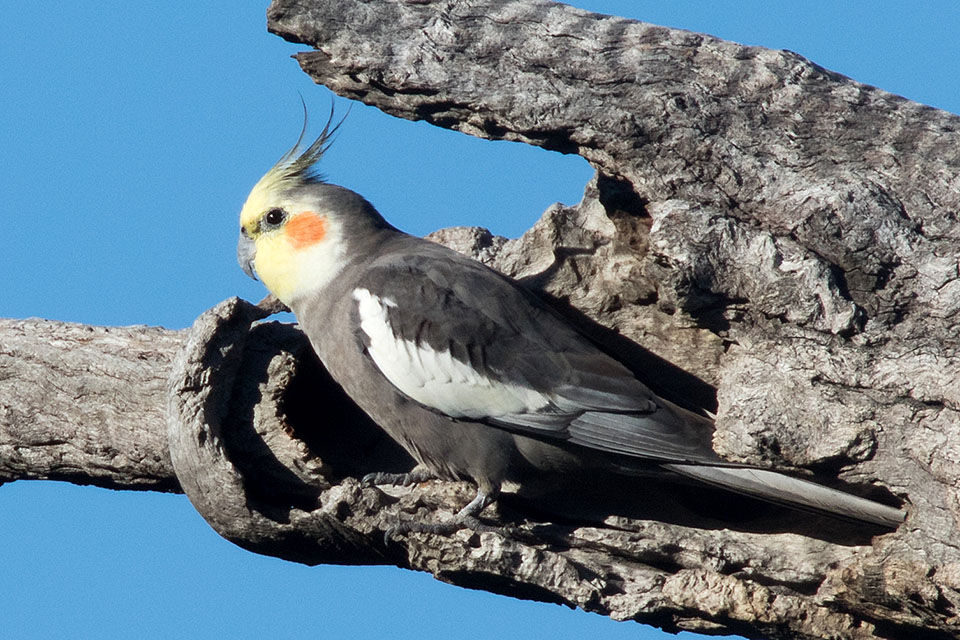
(290, 244)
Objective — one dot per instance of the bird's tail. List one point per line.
(792, 492)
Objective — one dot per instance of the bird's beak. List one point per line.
(246, 253)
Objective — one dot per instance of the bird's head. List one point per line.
(296, 231)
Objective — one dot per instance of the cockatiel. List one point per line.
(472, 374)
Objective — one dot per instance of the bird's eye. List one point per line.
(274, 217)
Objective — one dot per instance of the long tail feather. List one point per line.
(793, 492)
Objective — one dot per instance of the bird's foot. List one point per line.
(466, 518)
(438, 528)
(397, 479)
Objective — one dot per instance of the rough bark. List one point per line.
(85, 404)
(757, 223)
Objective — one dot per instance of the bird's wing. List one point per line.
(463, 340)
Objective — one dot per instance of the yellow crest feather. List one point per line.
(298, 167)
(295, 168)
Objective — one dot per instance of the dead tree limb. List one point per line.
(757, 223)
(85, 404)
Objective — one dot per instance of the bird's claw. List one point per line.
(466, 518)
(397, 479)
(447, 528)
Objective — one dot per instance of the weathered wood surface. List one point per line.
(85, 404)
(774, 229)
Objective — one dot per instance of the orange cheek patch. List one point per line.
(306, 229)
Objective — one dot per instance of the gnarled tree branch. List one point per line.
(781, 232)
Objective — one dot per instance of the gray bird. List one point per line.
(469, 372)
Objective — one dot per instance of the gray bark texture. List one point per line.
(763, 238)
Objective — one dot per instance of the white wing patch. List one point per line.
(435, 378)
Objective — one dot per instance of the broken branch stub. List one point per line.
(235, 450)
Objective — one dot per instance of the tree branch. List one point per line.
(787, 234)
(85, 404)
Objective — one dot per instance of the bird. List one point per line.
(470, 372)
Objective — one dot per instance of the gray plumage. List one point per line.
(570, 405)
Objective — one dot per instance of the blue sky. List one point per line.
(130, 134)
